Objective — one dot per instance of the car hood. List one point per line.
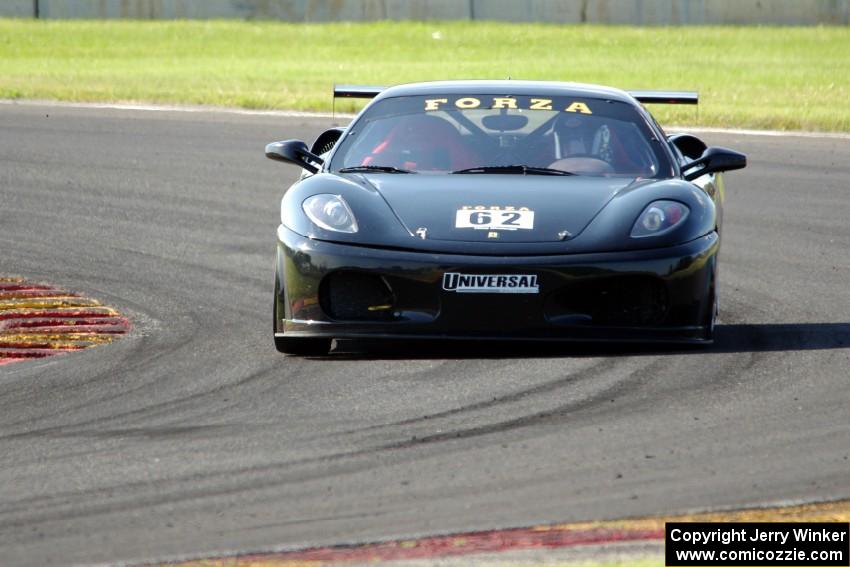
(562, 206)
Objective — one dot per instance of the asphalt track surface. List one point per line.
(192, 436)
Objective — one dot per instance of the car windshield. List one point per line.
(480, 134)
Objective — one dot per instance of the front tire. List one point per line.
(711, 320)
(711, 331)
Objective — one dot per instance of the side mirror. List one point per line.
(295, 152)
(713, 160)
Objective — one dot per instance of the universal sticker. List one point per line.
(490, 283)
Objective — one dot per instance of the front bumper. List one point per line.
(658, 295)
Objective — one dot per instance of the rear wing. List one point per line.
(357, 91)
(645, 97)
(666, 97)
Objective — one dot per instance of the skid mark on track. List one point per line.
(592, 400)
(37, 321)
(545, 388)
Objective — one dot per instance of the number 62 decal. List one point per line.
(494, 219)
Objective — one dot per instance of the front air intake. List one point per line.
(356, 296)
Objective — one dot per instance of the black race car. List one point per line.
(500, 210)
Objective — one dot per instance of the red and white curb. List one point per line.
(38, 321)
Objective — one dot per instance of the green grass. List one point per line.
(755, 77)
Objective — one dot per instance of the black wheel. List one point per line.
(711, 320)
(302, 346)
(715, 313)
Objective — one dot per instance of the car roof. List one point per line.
(505, 87)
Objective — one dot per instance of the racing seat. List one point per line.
(423, 143)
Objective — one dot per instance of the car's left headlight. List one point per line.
(660, 217)
(330, 212)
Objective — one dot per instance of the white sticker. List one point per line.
(490, 283)
(494, 219)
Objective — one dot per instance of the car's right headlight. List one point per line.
(330, 212)
(659, 217)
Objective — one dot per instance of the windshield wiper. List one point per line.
(373, 169)
(515, 169)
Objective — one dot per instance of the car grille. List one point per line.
(631, 301)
